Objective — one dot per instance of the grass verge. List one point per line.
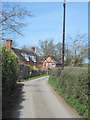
(86, 65)
(72, 101)
(32, 78)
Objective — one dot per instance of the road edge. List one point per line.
(73, 111)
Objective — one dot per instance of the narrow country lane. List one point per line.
(38, 100)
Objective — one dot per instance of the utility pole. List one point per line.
(63, 47)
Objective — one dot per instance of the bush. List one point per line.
(74, 81)
(72, 85)
(9, 71)
(9, 76)
(24, 71)
(55, 72)
(27, 71)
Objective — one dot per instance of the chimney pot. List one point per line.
(8, 44)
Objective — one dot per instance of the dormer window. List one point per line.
(33, 58)
(25, 56)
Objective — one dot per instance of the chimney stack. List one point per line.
(33, 49)
(8, 44)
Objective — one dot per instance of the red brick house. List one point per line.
(51, 62)
(25, 56)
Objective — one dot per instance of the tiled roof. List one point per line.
(53, 58)
(25, 55)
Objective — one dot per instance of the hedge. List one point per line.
(9, 71)
(27, 71)
(72, 85)
(74, 81)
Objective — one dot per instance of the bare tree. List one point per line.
(46, 48)
(24, 47)
(79, 47)
(13, 19)
(14, 43)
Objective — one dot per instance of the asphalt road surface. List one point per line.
(39, 100)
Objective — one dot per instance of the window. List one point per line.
(53, 64)
(44, 64)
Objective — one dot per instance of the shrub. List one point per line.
(72, 85)
(27, 71)
(30, 67)
(74, 81)
(55, 72)
(35, 68)
(9, 70)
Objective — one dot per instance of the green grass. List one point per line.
(86, 65)
(54, 82)
(72, 101)
(32, 78)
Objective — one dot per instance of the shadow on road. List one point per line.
(14, 101)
